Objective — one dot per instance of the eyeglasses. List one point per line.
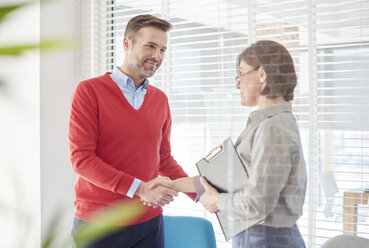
(243, 74)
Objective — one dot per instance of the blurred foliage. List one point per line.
(2, 84)
(122, 214)
(5, 10)
(43, 45)
(105, 222)
(51, 234)
(15, 50)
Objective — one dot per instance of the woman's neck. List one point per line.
(265, 102)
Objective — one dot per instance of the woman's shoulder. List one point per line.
(281, 123)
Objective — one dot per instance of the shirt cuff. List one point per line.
(134, 186)
(198, 186)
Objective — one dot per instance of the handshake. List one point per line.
(157, 192)
(162, 190)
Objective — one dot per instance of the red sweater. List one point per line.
(111, 143)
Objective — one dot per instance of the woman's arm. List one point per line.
(270, 169)
(184, 184)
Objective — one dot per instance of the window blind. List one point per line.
(342, 120)
(329, 42)
(287, 22)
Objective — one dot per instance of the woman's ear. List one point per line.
(262, 78)
(262, 75)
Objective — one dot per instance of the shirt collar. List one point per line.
(123, 80)
(262, 114)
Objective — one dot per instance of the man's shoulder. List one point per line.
(93, 86)
(95, 81)
(156, 91)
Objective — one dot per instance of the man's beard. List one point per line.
(146, 73)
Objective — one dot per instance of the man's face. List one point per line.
(145, 55)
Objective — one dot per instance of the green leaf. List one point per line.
(5, 10)
(17, 50)
(107, 222)
(51, 232)
(2, 85)
(55, 44)
(43, 46)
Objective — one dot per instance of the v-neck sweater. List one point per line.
(111, 144)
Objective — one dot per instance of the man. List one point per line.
(119, 136)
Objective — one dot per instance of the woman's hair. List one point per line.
(140, 21)
(278, 66)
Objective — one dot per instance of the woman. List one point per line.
(270, 148)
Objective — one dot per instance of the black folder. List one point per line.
(224, 170)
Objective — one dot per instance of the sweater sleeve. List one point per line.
(168, 165)
(83, 138)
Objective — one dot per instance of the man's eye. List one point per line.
(151, 46)
(163, 50)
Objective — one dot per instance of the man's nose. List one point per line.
(157, 55)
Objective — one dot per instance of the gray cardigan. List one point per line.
(270, 148)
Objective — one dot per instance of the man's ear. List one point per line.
(127, 43)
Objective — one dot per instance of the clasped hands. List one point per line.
(157, 192)
(161, 191)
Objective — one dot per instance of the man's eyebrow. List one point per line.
(153, 43)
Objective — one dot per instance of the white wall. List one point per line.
(19, 132)
(57, 82)
(36, 178)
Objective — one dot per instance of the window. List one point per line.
(329, 42)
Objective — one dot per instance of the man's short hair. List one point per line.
(140, 21)
(278, 66)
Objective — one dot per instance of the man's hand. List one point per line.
(153, 193)
(209, 198)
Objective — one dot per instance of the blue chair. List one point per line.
(185, 232)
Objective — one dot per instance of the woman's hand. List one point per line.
(210, 197)
(159, 185)
(184, 184)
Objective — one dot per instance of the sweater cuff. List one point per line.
(134, 186)
(222, 202)
(124, 184)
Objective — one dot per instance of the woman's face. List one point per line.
(248, 82)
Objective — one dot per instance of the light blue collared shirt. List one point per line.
(135, 97)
